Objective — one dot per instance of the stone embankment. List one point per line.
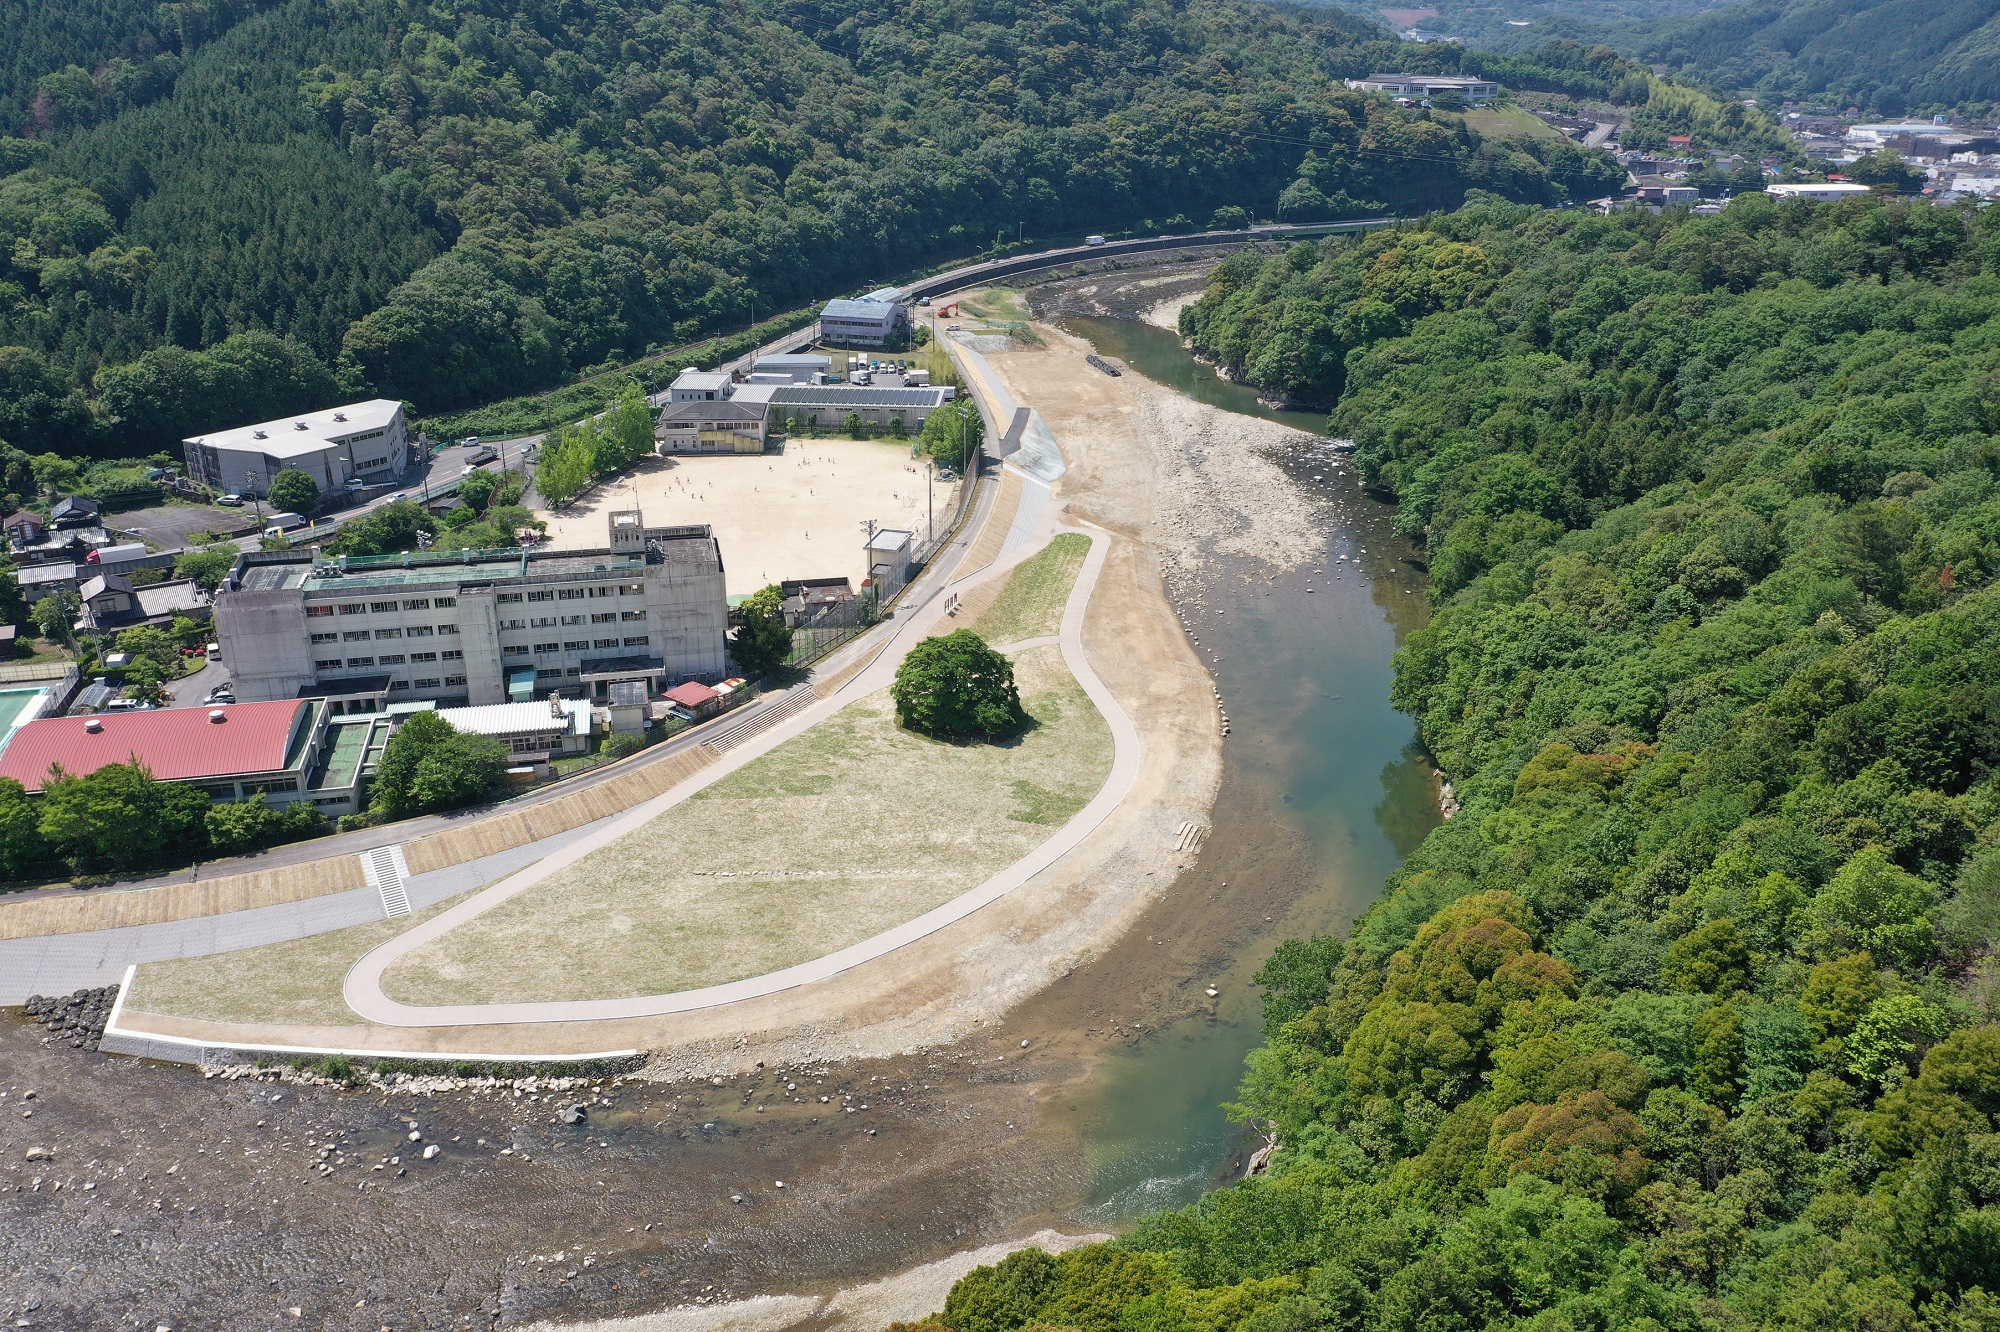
(78, 1018)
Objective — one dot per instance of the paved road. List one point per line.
(1601, 134)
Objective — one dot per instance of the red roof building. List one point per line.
(696, 699)
(211, 747)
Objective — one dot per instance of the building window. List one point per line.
(354, 608)
(572, 619)
(543, 622)
(393, 659)
(530, 744)
(605, 617)
(453, 655)
(423, 656)
(388, 633)
(447, 628)
(573, 671)
(356, 635)
(632, 615)
(382, 607)
(420, 631)
(543, 594)
(453, 681)
(421, 603)
(543, 649)
(315, 612)
(553, 673)
(580, 645)
(430, 683)
(607, 642)
(602, 591)
(513, 624)
(326, 638)
(507, 598)
(570, 594)
(398, 684)
(514, 652)
(442, 602)
(640, 641)
(333, 665)
(360, 661)
(631, 589)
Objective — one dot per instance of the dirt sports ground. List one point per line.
(797, 514)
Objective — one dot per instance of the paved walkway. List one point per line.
(363, 988)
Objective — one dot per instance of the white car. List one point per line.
(230, 501)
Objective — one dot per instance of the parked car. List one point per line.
(470, 441)
(230, 501)
(123, 705)
(222, 693)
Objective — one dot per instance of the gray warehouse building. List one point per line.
(477, 627)
(365, 440)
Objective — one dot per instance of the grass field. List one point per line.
(297, 981)
(1500, 122)
(1031, 605)
(850, 829)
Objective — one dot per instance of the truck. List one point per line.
(280, 523)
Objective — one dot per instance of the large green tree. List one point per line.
(957, 687)
(761, 642)
(294, 490)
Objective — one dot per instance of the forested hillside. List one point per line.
(1687, 1019)
(454, 205)
(1887, 57)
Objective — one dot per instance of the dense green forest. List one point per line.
(1885, 57)
(455, 204)
(1686, 1019)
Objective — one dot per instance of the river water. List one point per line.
(202, 1203)
(1315, 748)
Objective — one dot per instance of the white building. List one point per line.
(1427, 85)
(532, 732)
(364, 439)
(692, 385)
(477, 627)
(796, 367)
(1818, 191)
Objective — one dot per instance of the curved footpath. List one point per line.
(363, 987)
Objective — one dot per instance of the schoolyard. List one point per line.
(796, 514)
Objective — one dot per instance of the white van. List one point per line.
(1093, 240)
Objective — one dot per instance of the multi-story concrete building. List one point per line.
(874, 320)
(477, 627)
(367, 440)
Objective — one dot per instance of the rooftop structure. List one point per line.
(367, 440)
(1427, 85)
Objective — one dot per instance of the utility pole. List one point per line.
(930, 515)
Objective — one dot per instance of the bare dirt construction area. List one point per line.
(846, 831)
(795, 514)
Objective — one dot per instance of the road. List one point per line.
(1600, 134)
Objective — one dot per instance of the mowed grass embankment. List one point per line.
(297, 982)
(839, 834)
(1031, 604)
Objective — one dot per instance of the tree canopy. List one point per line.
(955, 686)
(1685, 1020)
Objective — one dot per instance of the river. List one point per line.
(139, 1191)
(1316, 748)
